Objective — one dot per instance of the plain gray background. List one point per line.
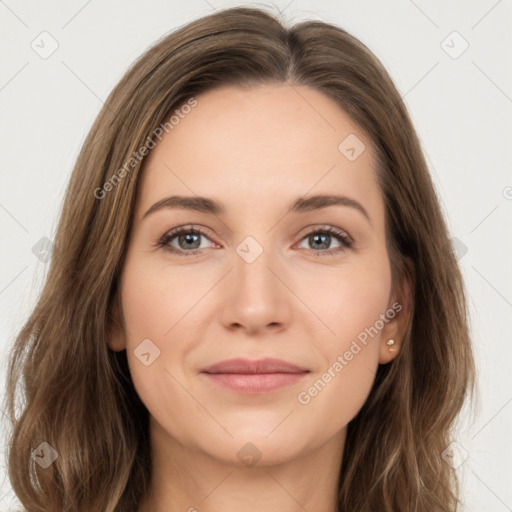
(450, 61)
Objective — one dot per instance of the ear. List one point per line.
(399, 314)
(116, 337)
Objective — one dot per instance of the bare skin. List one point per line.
(256, 151)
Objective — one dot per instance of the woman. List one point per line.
(253, 301)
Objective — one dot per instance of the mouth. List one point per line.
(254, 377)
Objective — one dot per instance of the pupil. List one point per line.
(319, 240)
(189, 238)
(319, 237)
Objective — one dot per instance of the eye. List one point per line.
(320, 239)
(188, 240)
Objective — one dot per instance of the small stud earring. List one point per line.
(390, 344)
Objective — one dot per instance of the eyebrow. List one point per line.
(214, 207)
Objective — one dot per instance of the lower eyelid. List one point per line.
(167, 239)
(344, 240)
(343, 245)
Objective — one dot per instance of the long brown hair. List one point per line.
(76, 394)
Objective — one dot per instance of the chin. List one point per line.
(255, 454)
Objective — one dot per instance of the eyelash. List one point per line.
(345, 241)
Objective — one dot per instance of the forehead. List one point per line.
(267, 143)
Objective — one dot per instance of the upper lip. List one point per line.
(247, 366)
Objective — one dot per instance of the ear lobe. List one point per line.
(396, 328)
(116, 338)
(388, 352)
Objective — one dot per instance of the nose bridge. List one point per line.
(257, 297)
(252, 272)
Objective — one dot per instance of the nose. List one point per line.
(257, 297)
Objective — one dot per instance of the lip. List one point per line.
(254, 376)
(260, 366)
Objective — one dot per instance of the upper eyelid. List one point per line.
(306, 231)
(313, 228)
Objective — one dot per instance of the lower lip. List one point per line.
(255, 384)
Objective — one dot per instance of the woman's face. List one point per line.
(265, 280)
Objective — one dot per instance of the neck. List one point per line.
(188, 479)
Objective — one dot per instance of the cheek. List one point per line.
(156, 305)
(159, 305)
(352, 305)
(332, 398)
(155, 299)
(349, 301)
